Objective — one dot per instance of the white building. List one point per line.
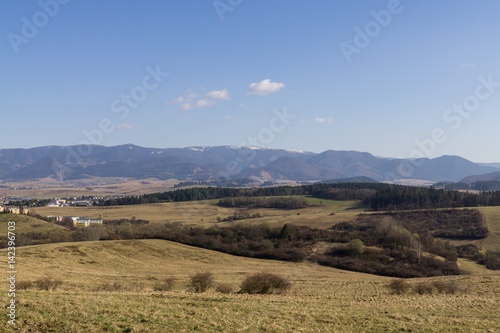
(83, 222)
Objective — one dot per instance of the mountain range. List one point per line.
(226, 162)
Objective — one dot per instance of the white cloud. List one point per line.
(125, 126)
(179, 100)
(264, 87)
(218, 94)
(190, 100)
(201, 103)
(321, 120)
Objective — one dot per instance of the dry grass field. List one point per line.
(321, 299)
(25, 224)
(205, 213)
(96, 186)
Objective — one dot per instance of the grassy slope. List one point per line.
(492, 216)
(26, 224)
(205, 213)
(86, 264)
(322, 299)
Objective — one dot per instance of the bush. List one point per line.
(47, 283)
(450, 287)
(423, 288)
(115, 286)
(201, 282)
(264, 283)
(224, 288)
(493, 260)
(24, 285)
(398, 287)
(356, 246)
(167, 285)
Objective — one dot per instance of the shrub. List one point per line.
(286, 232)
(493, 260)
(467, 251)
(264, 283)
(24, 285)
(201, 282)
(47, 283)
(224, 288)
(356, 246)
(167, 285)
(423, 288)
(450, 287)
(115, 286)
(398, 287)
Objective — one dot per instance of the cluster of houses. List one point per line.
(76, 221)
(14, 210)
(54, 202)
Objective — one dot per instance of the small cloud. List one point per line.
(321, 120)
(470, 64)
(125, 126)
(218, 94)
(179, 100)
(201, 103)
(190, 100)
(264, 87)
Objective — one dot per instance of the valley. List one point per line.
(137, 266)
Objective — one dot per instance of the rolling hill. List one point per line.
(322, 299)
(482, 178)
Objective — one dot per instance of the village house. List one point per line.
(14, 210)
(82, 203)
(55, 202)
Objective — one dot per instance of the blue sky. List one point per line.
(393, 78)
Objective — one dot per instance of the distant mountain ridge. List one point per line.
(482, 178)
(224, 162)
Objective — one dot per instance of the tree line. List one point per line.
(378, 196)
(265, 202)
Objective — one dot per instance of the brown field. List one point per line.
(322, 299)
(52, 188)
(205, 213)
(25, 224)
